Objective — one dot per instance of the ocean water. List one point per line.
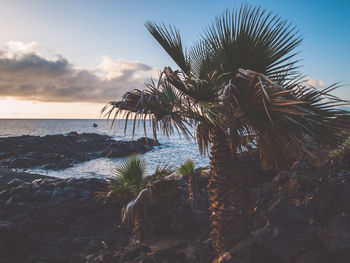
(173, 151)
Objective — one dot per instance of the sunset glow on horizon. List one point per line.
(23, 109)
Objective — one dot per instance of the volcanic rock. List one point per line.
(63, 151)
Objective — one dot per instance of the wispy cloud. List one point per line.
(27, 71)
(315, 82)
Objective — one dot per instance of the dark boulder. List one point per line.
(336, 236)
(11, 239)
(23, 192)
(283, 213)
(275, 244)
(42, 195)
(135, 252)
(169, 255)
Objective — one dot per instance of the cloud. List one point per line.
(315, 82)
(28, 72)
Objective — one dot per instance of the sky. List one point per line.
(66, 59)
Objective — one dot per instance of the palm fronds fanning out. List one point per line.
(253, 110)
(128, 179)
(131, 178)
(323, 111)
(282, 120)
(169, 38)
(160, 104)
(254, 39)
(249, 38)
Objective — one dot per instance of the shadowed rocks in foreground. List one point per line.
(62, 151)
(297, 216)
(56, 220)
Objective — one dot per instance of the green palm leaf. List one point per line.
(129, 175)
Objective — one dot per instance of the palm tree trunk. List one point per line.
(193, 189)
(228, 196)
(140, 225)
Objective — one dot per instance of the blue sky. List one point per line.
(87, 32)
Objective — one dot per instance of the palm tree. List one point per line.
(187, 170)
(130, 184)
(237, 87)
(128, 179)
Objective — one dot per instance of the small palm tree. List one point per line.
(187, 167)
(238, 87)
(128, 179)
(120, 188)
(135, 212)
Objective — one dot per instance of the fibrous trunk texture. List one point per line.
(228, 196)
(140, 225)
(193, 189)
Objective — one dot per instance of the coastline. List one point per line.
(58, 152)
(173, 150)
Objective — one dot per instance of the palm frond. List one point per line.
(203, 137)
(187, 167)
(160, 102)
(131, 172)
(169, 38)
(249, 38)
(160, 173)
(284, 121)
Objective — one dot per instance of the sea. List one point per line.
(173, 151)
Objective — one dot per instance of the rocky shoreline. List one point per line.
(63, 151)
(298, 216)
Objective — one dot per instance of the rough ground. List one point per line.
(54, 220)
(297, 216)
